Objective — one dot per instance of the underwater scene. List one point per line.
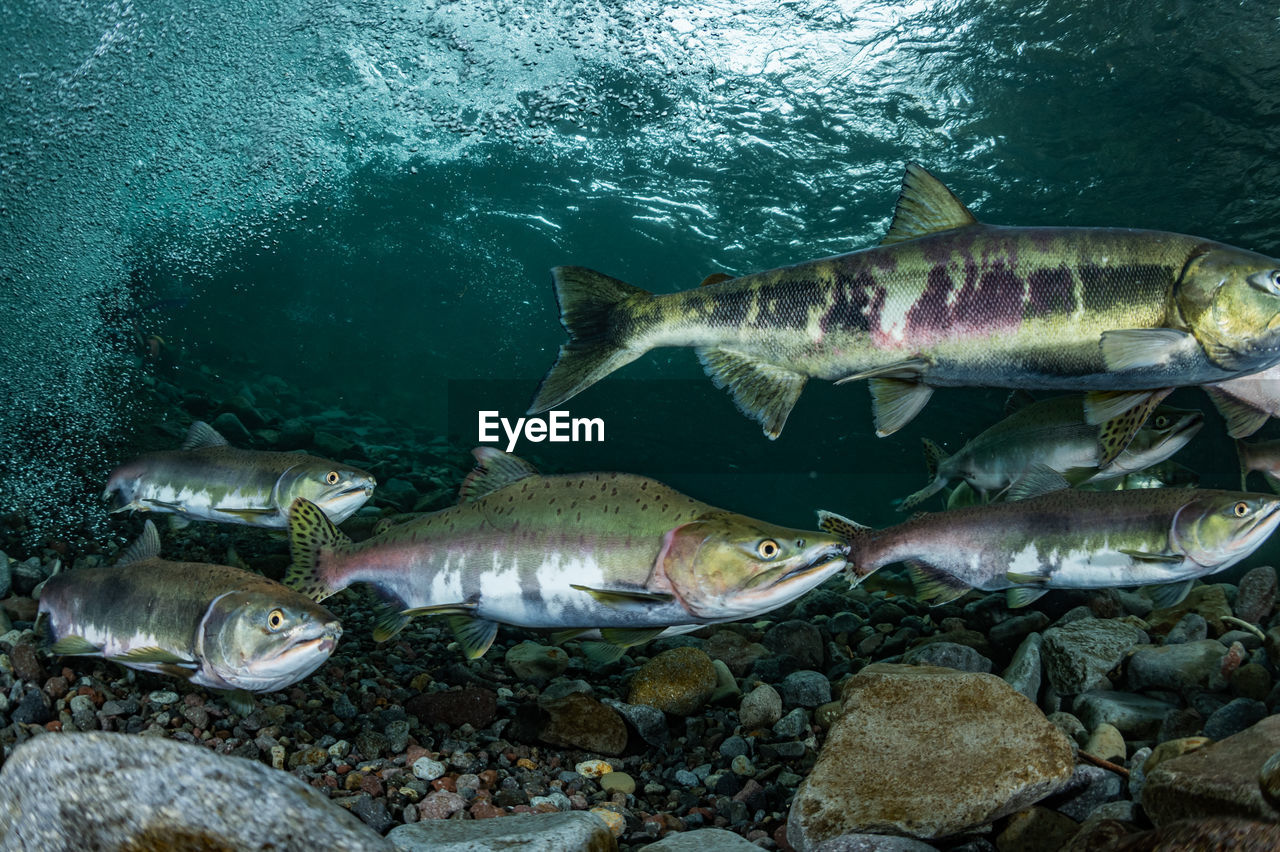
(618, 425)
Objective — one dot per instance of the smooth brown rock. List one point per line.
(580, 721)
(927, 752)
(1222, 834)
(1036, 829)
(679, 681)
(1220, 779)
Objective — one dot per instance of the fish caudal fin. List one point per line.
(1242, 455)
(312, 539)
(853, 534)
(589, 311)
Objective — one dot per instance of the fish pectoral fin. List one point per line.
(154, 655)
(933, 585)
(1026, 579)
(1020, 597)
(1165, 595)
(474, 635)
(925, 206)
(912, 370)
(73, 646)
(1143, 556)
(1242, 419)
(624, 597)
(1036, 480)
(240, 701)
(895, 402)
(559, 637)
(1101, 406)
(764, 392)
(161, 504)
(1116, 432)
(248, 513)
(1141, 348)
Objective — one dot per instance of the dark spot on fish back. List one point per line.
(856, 304)
(1049, 291)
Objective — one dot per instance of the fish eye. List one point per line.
(275, 619)
(1161, 422)
(1240, 509)
(332, 477)
(768, 549)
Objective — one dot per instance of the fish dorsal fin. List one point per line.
(146, 546)
(925, 206)
(1017, 400)
(715, 278)
(202, 435)
(494, 470)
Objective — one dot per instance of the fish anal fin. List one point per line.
(202, 435)
(933, 585)
(494, 471)
(925, 206)
(1116, 433)
(602, 653)
(764, 392)
(240, 701)
(1242, 419)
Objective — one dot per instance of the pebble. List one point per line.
(1024, 670)
(1106, 742)
(1036, 829)
(580, 721)
(532, 662)
(760, 707)
(428, 769)
(950, 655)
(1190, 665)
(576, 830)
(649, 722)
(734, 746)
(805, 689)
(163, 698)
(1256, 595)
(618, 782)
(1137, 715)
(83, 713)
(1089, 787)
(800, 640)
(1190, 628)
(593, 768)
(397, 734)
(1077, 656)
(679, 681)
(1234, 717)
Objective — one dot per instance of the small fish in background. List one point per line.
(1046, 445)
(212, 625)
(1167, 474)
(209, 480)
(1260, 456)
(619, 554)
(947, 301)
(1161, 538)
(1247, 402)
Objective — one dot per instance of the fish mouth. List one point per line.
(820, 563)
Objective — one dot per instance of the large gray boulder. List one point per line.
(62, 791)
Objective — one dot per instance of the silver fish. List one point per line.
(209, 480)
(212, 625)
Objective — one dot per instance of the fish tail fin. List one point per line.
(1242, 456)
(313, 540)
(853, 534)
(934, 456)
(591, 305)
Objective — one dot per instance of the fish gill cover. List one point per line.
(364, 197)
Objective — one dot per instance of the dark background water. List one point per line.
(364, 199)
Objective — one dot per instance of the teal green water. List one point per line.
(364, 198)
